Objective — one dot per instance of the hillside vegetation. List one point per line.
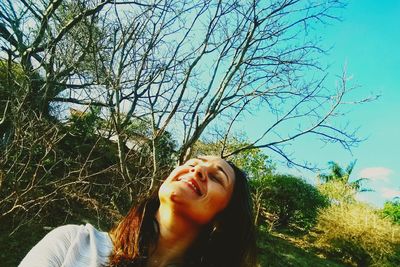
(299, 224)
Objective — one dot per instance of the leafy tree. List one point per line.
(391, 210)
(338, 192)
(337, 173)
(258, 167)
(14, 98)
(293, 200)
(85, 124)
(255, 163)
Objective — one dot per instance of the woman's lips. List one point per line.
(192, 184)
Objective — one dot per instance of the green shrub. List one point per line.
(356, 232)
(290, 198)
(391, 210)
(84, 124)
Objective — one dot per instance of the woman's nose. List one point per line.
(199, 172)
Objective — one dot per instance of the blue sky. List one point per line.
(367, 42)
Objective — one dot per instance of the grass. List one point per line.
(14, 247)
(280, 249)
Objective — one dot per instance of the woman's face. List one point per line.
(199, 189)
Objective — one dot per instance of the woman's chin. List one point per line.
(178, 193)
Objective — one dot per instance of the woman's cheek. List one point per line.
(219, 201)
(177, 171)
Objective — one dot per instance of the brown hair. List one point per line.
(229, 240)
(136, 233)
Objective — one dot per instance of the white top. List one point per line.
(70, 246)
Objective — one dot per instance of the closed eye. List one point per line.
(215, 178)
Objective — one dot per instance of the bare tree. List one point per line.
(227, 58)
(180, 67)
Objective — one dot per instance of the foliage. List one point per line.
(255, 163)
(338, 191)
(356, 232)
(391, 210)
(337, 173)
(165, 152)
(157, 152)
(257, 167)
(15, 99)
(293, 200)
(85, 124)
(10, 76)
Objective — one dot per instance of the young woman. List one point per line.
(200, 216)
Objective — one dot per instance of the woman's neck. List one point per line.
(176, 235)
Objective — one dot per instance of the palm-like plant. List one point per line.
(337, 173)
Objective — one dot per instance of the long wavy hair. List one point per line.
(227, 241)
